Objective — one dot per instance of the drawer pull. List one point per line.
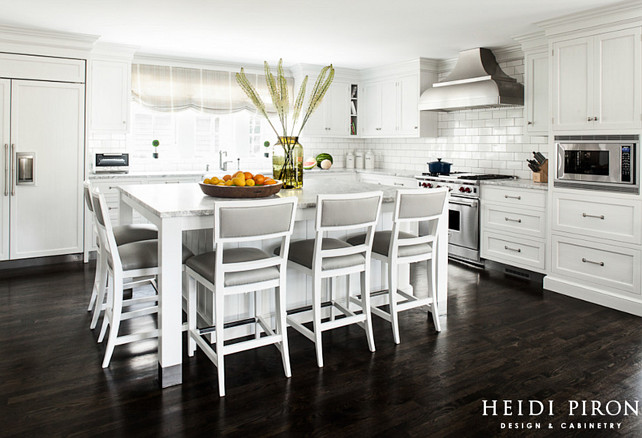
(519, 221)
(592, 262)
(593, 215)
(512, 197)
(508, 248)
(398, 184)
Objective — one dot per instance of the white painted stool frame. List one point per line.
(220, 290)
(364, 319)
(115, 304)
(393, 260)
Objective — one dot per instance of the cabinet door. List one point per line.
(389, 114)
(110, 93)
(47, 119)
(316, 124)
(617, 79)
(5, 108)
(338, 110)
(408, 105)
(537, 93)
(572, 82)
(371, 108)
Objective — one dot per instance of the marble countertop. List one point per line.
(517, 183)
(156, 174)
(172, 200)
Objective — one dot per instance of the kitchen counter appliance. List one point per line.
(111, 163)
(463, 211)
(599, 162)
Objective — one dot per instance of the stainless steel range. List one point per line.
(463, 211)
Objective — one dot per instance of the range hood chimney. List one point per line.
(477, 81)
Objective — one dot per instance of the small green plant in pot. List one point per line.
(155, 143)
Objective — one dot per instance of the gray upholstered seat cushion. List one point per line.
(301, 252)
(141, 255)
(134, 233)
(204, 265)
(381, 244)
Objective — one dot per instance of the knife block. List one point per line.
(542, 175)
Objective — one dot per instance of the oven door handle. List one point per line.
(465, 204)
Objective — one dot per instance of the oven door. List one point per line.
(589, 162)
(463, 228)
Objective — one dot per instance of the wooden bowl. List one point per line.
(240, 192)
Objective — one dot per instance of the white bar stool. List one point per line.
(325, 257)
(122, 234)
(424, 208)
(135, 260)
(230, 271)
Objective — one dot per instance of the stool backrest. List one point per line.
(253, 221)
(105, 229)
(87, 192)
(345, 213)
(420, 206)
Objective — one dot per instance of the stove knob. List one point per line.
(467, 190)
(429, 185)
(438, 186)
(461, 189)
(424, 185)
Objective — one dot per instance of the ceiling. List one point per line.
(347, 33)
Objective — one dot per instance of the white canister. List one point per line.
(349, 160)
(370, 160)
(358, 161)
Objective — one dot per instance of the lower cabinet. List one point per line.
(513, 226)
(388, 180)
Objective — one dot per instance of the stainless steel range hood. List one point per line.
(477, 81)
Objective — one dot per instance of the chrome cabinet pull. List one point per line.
(592, 262)
(6, 169)
(508, 248)
(519, 221)
(601, 216)
(512, 197)
(13, 180)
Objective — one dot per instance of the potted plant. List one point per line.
(155, 143)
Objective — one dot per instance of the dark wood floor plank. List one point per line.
(503, 339)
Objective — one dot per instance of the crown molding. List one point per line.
(107, 50)
(201, 63)
(39, 41)
(411, 66)
(531, 42)
(619, 13)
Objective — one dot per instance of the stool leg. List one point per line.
(191, 315)
(257, 303)
(316, 318)
(392, 291)
(101, 287)
(220, 338)
(433, 293)
(116, 309)
(365, 305)
(332, 287)
(282, 328)
(109, 305)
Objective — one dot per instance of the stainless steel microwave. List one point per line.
(111, 163)
(597, 162)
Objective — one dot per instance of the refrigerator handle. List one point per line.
(13, 180)
(6, 169)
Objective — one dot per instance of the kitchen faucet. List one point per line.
(223, 164)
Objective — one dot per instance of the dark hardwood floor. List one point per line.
(503, 339)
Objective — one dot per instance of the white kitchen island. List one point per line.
(175, 208)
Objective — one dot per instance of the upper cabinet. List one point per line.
(110, 88)
(596, 81)
(333, 117)
(389, 101)
(536, 92)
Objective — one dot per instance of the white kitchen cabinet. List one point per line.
(536, 92)
(332, 118)
(408, 115)
(513, 226)
(44, 215)
(597, 80)
(387, 180)
(110, 92)
(5, 105)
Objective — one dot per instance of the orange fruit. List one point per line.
(259, 179)
(249, 182)
(248, 175)
(269, 181)
(214, 180)
(207, 181)
(227, 178)
(228, 182)
(236, 174)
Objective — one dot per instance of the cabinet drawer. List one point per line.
(598, 263)
(517, 197)
(529, 254)
(530, 223)
(618, 219)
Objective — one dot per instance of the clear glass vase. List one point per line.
(287, 162)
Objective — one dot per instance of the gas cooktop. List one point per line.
(466, 176)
